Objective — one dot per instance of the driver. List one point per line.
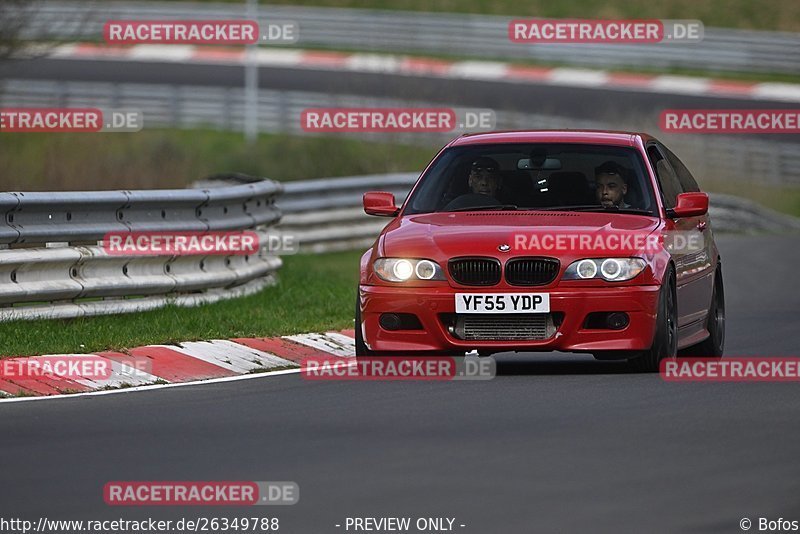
(484, 178)
(611, 186)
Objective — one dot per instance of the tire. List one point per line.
(361, 347)
(713, 346)
(665, 341)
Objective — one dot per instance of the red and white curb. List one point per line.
(420, 66)
(190, 362)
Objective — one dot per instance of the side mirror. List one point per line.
(691, 205)
(380, 203)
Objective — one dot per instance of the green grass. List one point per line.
(165, 158)
(313, 293)
(751, 14)
(778, 198)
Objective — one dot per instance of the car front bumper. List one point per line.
(573, 305)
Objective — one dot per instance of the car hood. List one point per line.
(445, 235)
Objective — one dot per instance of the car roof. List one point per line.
(603, 137)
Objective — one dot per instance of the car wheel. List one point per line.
(665, 341)
(712, 346)
(361, 347)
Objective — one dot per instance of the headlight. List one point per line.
(609, 269)
(402, 269)
(425, 269)
(586, 269)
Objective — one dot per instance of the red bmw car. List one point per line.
(575, 241)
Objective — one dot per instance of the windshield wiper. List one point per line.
(615, 209)
(509, 207)
(595, 207)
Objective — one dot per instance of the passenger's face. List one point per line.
(610, 190)
(483, 181)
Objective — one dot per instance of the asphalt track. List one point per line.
(629, 107)
(556, 443)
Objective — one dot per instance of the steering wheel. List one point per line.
(470, 200)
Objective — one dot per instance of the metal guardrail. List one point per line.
(84, 217)
(326, 215)
(744, 160)
(740, 215)
(51, 264)
(483, 36)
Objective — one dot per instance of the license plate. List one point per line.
(502, 303)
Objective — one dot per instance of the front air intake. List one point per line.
(531, 271)
(475, 271)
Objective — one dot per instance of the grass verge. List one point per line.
(779, 198)
(167, 158)
(173, 158)
(313, 293)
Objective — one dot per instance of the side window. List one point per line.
(688, 182)
(667, 179)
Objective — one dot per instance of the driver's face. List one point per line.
(483, 181)
(610, 190)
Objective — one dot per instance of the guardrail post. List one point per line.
(177, 107)
(251, 82)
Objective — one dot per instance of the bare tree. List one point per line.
(21, 27)
(15, 15)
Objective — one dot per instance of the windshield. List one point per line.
(572, 177)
